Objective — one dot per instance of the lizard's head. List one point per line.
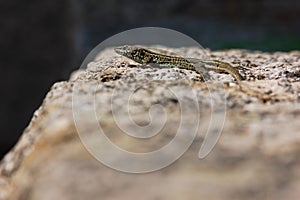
(132, 52)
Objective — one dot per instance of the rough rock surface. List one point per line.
(256, 157)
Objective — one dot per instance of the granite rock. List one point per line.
(257, 155)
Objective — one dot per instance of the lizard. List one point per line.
(201, 66)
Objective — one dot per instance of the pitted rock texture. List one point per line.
(256, 157)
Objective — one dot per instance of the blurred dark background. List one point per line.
(43, 41)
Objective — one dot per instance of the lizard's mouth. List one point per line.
(119, 50)
(123, 50)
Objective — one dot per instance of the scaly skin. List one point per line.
(145, 56)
